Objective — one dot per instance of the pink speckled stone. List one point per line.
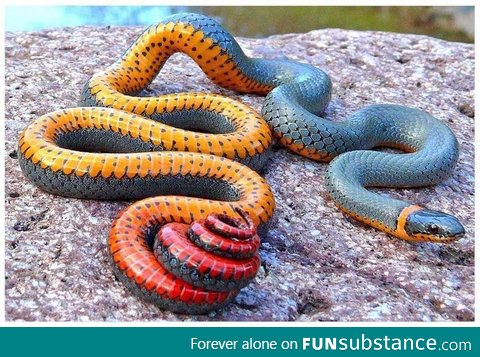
(317, 264)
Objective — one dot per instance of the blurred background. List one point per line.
(453, 23)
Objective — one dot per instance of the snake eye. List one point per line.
(433, 228)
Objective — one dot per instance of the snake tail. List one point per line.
(296, 96)
(196, 268)
(186, 155)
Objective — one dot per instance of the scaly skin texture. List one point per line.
(131, 151)
(296, 94)
(182, 276)
(118, 153)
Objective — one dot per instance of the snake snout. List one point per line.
(438, 226)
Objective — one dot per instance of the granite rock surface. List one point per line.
(318, 265)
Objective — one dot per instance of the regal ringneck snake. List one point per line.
(185, 146)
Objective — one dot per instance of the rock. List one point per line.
(317, 264)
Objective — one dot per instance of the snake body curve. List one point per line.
(126, 148)
(296, 95)
(196, 149)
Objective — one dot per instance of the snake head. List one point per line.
(434, 226)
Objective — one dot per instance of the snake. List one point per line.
(186, 155)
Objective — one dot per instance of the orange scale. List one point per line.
(227, 146)
(221, 167)
(199, 101)
(149, 133)
(171, 104)
(180, 216)
(176, 167)
(221, 59)
(96, 165)
(122, 127)
(151, 106)
(159, 29)
(153, 165)
(196, 37)
(142, 261)
(208, 51)
(33, 153)
(108, 168)
(44, 162)
(180, 42)
(142, 276)
(206, 167)
(95, 91)
(61, 157)
(122, 265)
(161, 106)
(186, 167)
(187, 30)
(50, 131)
(129, 166)
(241, 150)
(160, 288)
(121, 101)
(191, 143)
(24, 146)
(168, 29)
(83, 165)
(178, 140)
(205, 102)
(218, 106)
(129, 273)
(200, 47)
(134, 263)
(208, 55)
(190, 101)
(251, 149)
(156, 137)
(143, 214)
(105, 120)
(126, 252)
(152, 281)
(121, 167)
(184, 255)
(181, 102)
(118, 247)
(70, 165)
(201, 146)
(228, 67)
(160, 165)
(129, 106)
(142, 105)
(108, 101)
(97, 122)
(145, 166)
(195, 168)
(133, 127)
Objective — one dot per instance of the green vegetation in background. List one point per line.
(263, 21)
